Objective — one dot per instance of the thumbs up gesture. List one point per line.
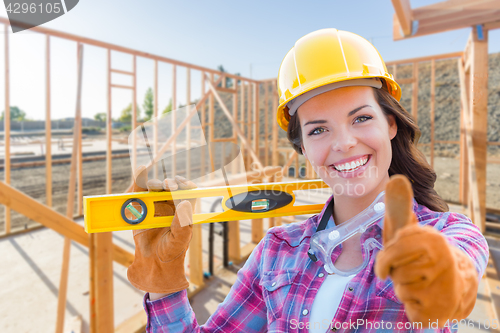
(435, 280)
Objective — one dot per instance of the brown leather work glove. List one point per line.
(435, 280)
(158, 266)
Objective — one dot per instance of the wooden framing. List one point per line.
(478, 92)
(234, 136)
(234, 250)
(257, 224)
(414, 96)
(188, 125)
(48, 128)
(101, 249)
(492, 25)
(6, 127)
(471, 58)
(195, 248)
(275, 125)
(403, 15)
(109, 130)
(211, 119)
(77, 130)
(266, 120)
(179, 128)
(174, 116)
(155, 115)
(202, 135)
(423, 59)
(433, 103)
(195, 258)
(79, 161)
(482, 16)
(443, 16)
(414, 81)
(134, 113)
(255, 121)
(249, 124)
(245, 132)
(38, 212)
(114, 47)
(255, 158)
(119, 71)
(102, 283)
(226, 90)
(475, 210)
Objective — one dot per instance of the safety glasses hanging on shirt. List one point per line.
(324, 242)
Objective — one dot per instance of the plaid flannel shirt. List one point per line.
(275, 289)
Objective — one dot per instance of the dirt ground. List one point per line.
(32, 182)
(447, 170)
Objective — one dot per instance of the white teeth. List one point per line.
(352, 165)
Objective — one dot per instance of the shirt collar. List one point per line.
(295, 233)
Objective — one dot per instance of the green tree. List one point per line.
(148, 104)
(126, 115)
(100, 116)
(229, 81)
(16, 114)
(168, 108)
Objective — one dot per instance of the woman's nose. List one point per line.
(343, 141)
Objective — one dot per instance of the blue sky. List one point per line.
(248, 37)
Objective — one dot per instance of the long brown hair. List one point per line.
(406, 158)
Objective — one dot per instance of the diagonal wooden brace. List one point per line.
(47, 216)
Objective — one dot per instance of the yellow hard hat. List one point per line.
(326, 57)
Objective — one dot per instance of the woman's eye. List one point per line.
(316, 131)
(362, 119)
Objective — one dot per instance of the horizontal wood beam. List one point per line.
(38, 212)
(451, 15)
(405, 81)
(119, 71)
(121, 86)
(114, 47)
(445, 9)
(426, 58)
(227, 90)
(448, 142)
(456, 22)
(492, 25)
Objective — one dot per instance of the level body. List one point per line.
(106, 213)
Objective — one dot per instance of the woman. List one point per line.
(340, 108)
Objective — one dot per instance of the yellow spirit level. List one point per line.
(130, 211)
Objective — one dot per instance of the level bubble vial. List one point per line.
(260, 205)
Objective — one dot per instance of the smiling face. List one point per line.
(347, 139)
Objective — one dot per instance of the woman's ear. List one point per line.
(393, 126)
(303, 150)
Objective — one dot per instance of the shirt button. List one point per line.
(351, 288)
(334, 329)
(321, 275)
(274, 283)
(305, 312)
